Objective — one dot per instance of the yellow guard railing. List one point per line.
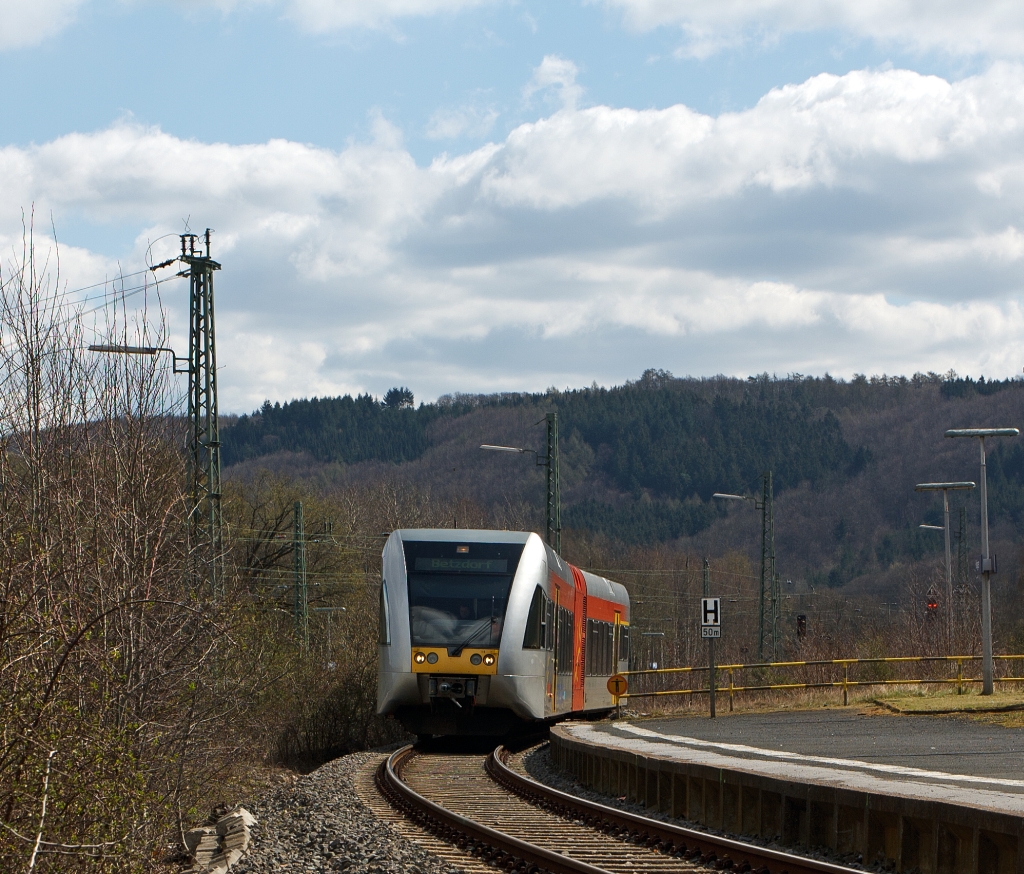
(730, 687)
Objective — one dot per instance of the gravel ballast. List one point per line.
(319, 823)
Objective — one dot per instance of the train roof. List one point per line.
(596, 585)
(463, 535)
(602, 587)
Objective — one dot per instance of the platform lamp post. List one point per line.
(987, 565)
(141, 350)
(549, 461)
(769, 581)
(946, 488)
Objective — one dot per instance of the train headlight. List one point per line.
(474, 659)
(419, 658)
(432, 658)
(489, 659)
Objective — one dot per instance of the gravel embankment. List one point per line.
(320, 824)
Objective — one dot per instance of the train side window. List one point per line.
(564, 652)
(623, 643)
(607, 650)
(599, 648)
(549, 623)
(588, 663)
(384, 624)
(534, 637)
(569, 640)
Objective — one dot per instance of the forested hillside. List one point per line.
(667, 438)
(639, 462)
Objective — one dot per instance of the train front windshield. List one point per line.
(458, 592)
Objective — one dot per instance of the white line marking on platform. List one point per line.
(782, 755)
(792, 768)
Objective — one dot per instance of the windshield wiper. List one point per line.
(454, 653)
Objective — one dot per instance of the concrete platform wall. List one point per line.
(912, 835)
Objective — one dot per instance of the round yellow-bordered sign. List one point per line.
(617, 685)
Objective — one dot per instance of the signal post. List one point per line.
(710, 629)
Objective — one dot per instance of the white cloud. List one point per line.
(847, 223)
(29, 22)
(559, 75)
(828, 131)
(319, 16)
(25, 23)
(992, 27)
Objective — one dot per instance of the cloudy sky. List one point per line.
(485, 195)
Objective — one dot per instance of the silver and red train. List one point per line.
(483, 632)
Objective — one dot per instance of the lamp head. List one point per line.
(983, 432)
(124, 350)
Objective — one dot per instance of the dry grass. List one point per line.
(1005, 707)
(806, 699)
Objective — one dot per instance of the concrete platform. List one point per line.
(929, 794)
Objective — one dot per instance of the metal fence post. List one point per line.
(846, 681)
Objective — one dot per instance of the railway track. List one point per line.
(489, 810)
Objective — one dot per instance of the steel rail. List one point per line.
(668, 838)
(507, 851)
(486, 841)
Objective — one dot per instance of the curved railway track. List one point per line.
(489, 810)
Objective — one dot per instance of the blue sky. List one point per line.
(251, 75)
(480, 196)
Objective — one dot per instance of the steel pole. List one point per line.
(711, 642)
(553, 512)
(767, 558)
(764, 568)
(986, 558)
(204, 427)
(986, 588)
(949, 575)
(301, 597)
(711, 673)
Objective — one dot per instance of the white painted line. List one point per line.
(667, 747)
(847, 764)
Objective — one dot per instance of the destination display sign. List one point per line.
(463, 565)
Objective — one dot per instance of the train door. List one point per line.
(565, 640)
(552, 660)
(580, 639)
